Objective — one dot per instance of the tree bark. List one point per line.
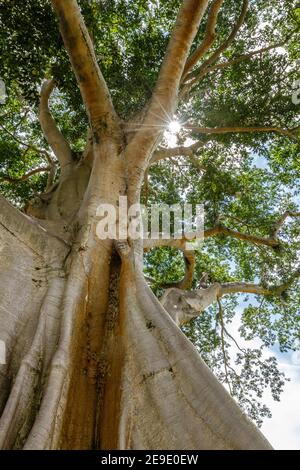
(93, 359)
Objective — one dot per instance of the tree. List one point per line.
(94, 359)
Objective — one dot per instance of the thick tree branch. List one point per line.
(88, 154)
(30, 233)
(162, 154)
(54, 137)
(50, 179)
(248, 288)
(186, 282)
(213, 232)
(184, 32)
(221, 230)
(164, 99)
(181, 151)
(209, 38)
(180, 243)
(93, 87)
(224, 46)
(281, 221)
(183, 306)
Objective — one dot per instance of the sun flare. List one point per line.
(174, 127)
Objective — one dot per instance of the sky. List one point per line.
(283, 429)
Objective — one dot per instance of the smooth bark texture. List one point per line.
(56, 140)
(210, 35)
(170, 399)
(90, 80)
(105, 365)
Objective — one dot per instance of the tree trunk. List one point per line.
(93, 359)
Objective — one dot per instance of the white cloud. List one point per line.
(283, 429)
